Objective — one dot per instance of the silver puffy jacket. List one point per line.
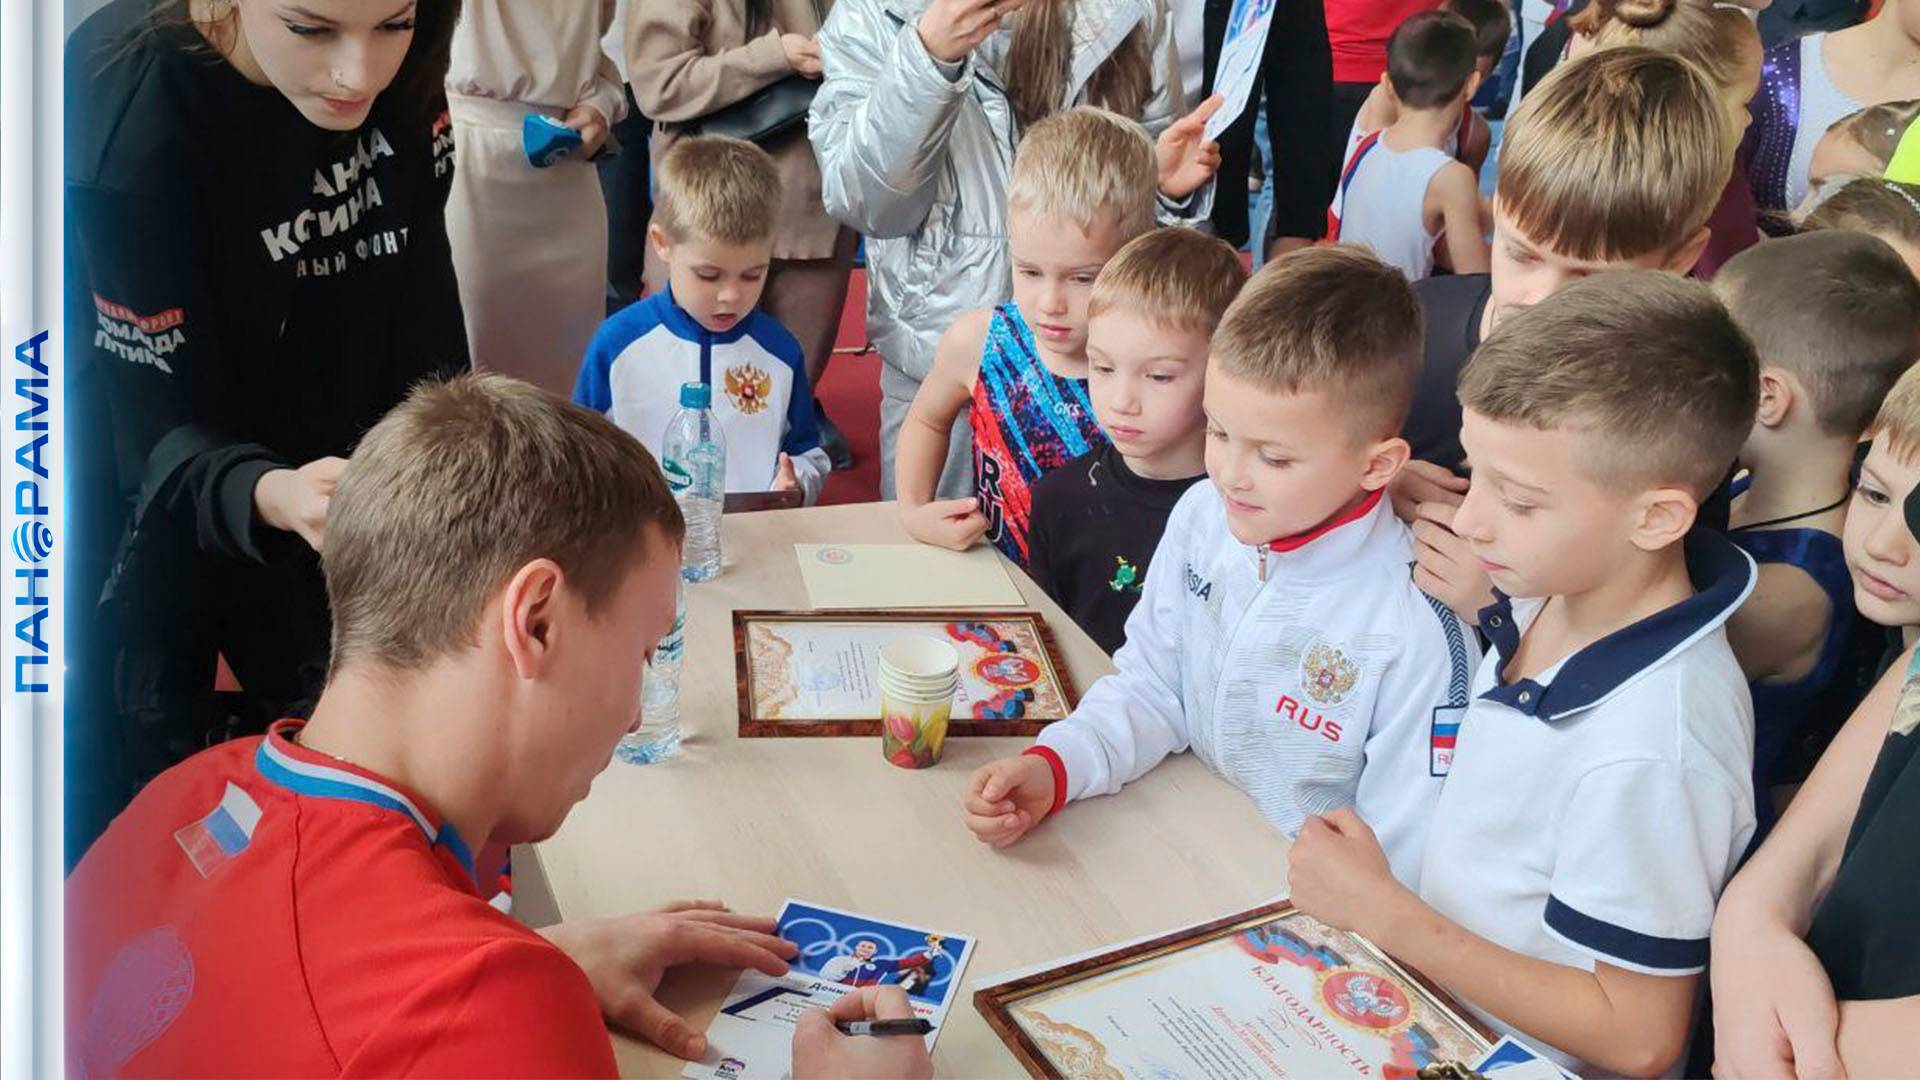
(919, 162)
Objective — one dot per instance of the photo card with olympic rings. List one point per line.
(840, 951)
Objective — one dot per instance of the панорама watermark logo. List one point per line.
(33, 537)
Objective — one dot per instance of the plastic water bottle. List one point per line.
(694, 457)
(659, 734)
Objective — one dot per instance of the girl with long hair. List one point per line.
(258, 269)
(915, 126)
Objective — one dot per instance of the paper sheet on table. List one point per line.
(1240, 54)
(752, 1037)
(904, 576)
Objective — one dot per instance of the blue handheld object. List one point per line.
(547, 140)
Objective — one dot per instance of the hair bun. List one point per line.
(1638, 13)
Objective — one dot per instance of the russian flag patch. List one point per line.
(222, 834)
(1444, 736)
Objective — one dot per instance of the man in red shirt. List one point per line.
(499, 564)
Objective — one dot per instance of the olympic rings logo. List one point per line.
(816, 948)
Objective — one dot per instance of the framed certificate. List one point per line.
(818, 672)
(1270, 992)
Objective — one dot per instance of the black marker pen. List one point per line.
(886, 1027)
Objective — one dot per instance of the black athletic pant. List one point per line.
(624, 181)
(1297, 73)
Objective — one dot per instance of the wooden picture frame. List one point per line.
(996, 1004)
(1050, 696)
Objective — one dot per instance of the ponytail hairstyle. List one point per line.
(1719, 39)
(1040, 60)
(1878, 128)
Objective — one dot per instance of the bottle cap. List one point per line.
(695, 395)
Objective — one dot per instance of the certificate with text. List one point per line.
(1269, 993)
(818, 673)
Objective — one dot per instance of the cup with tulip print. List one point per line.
(918, 677)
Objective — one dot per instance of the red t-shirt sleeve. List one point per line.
(510, 1008)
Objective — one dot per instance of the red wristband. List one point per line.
(1047, 754)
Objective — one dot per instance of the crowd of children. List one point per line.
(1514, 569)
(1644, 494)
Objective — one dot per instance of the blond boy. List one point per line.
(1281, 638)
(1600, 795)
(1653, 126)
(1083, 185)
(1097, 520)
(714, 230)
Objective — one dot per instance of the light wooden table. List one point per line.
(753, 821)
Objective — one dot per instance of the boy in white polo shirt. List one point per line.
(1280, 635)
(1601, 793)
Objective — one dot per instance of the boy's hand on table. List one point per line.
(1444, 566)
(1421, 482)
(1007, 798)
(957, 524)
(626, 957)
(783, 477)
(1774, 1012)
(819, 1050)
(1338, 873)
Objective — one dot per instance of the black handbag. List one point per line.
(764, 116)
(770, 113)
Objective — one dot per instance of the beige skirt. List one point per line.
(529, 248)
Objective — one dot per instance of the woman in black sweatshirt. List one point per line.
(258, 269)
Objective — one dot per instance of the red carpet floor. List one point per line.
(850, 392)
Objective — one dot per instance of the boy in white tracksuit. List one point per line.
(1308, 669)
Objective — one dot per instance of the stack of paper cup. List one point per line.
(918, 676)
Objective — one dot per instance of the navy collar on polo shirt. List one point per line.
(687, 328)
(1722, 577)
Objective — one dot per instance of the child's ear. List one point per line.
(1665, 515)
(1472, 87)
(1687, 254)
(662, 243)
(1777, 394)
(1384, 461)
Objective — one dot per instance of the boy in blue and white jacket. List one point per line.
(713, 227)
(1280, 635)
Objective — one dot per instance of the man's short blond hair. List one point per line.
(1086, 163)
(1620, 154)
(461, 485)
(1899, 417)
(1178, 278)
(1333, 320)
(712, 187)
(1646, 366)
